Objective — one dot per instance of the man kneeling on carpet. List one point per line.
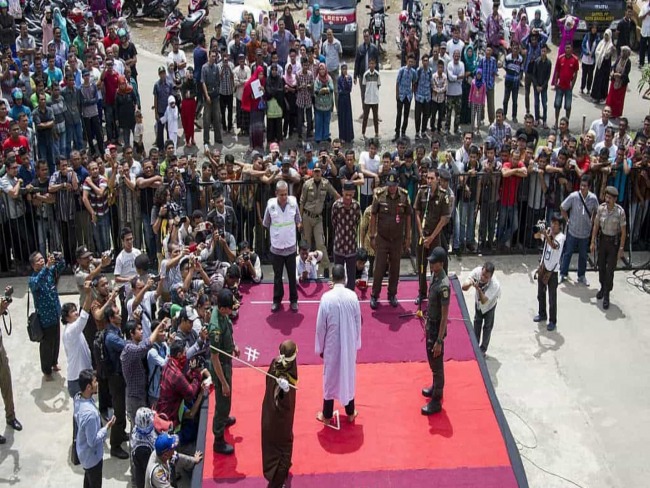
(159, 473)
(338, 337)
(436, 329)
(278, 411)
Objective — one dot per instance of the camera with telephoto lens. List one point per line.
(57, 255)
(156, 278)
(9, 291)
(540, 227)
(246, 256)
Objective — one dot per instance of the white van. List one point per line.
(232, 11)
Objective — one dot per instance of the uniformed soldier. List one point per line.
(610, 221)
(312, 201)
(390, 235)
(436, 329)
(432, 213)
(221, 337)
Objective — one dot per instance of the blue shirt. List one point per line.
(532, 52)
(90, 433)
(513, 67)
(620, 180)
(200, 58)
(46, 297)
(423, 88)
(16, 110)
(489, 67)
(405, 78)
(27, 175)
(114, 344)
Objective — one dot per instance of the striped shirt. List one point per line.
(226, 79)
(98, 203)
(489, 67)
(513, 68)
(59, 109)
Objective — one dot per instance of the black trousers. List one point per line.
(421, 254)
(69, 237)
(552, 297)
(485, 322)
(328, 408)
(117, 387)
(93, 476)
(403, 106)
(308, 115)
(93, 129)
(421, 116)
(279, 264)
(437, 365)
(607, 257)
(587, 76)
(350, 264)
(49, 348)
(103, 394)
(437, 111)
(225, 103)
(223, 403)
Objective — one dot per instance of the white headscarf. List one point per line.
(604, 47)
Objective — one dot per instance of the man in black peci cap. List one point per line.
(436, 329)
(390, 235)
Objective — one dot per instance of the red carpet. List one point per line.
(390, 434)
(385, 337)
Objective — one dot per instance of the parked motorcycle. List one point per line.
(299, 4)
(377, 27)
(186, 29)
(405, 24)
(156, 9)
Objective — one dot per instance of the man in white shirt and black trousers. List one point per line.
(488, 291)
(548, 270)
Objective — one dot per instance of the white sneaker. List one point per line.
(583, 280)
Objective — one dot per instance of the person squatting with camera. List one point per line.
(488, 291)
(549, 266)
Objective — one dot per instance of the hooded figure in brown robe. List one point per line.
(278, 411)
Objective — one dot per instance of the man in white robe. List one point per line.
(338, 337)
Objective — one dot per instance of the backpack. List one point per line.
(101, 357)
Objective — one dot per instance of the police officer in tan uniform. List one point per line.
(390, 235)
(312, 201)
(609, 228)
(432, 214)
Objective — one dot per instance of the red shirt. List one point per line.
(510, 185)
(15, 145)
(565, 69)
(110, 86)
(108, 41)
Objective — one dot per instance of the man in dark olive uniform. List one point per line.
(432, 214)
(436, 329)
(390, 235)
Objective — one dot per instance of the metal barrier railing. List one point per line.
(489, 215)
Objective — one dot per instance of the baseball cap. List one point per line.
(438, 255)
(88, 14)
(393, 178)
(83, 252)
(348, 186)
(286, 160)
(165, 442)
(308, 148)
(274, 147)
(612, 190)
(111, 147)
(85, 72)
(162, 69)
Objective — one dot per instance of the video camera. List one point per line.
(540, 227)
(7, 298)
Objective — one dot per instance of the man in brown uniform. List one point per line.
(390, 234)
(312, 200)
(610, 221)
(432, 214)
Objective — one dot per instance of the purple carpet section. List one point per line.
(386, 337)
(496, 477)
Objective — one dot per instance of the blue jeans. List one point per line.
(569, 247)
(74, 134)
(567, 95)
(47, 234)
(456, 223)
(46, 149)
(508, 218)
(322, 124)
(60, 146)
(544, 97)
(467, 222)
(102, 232)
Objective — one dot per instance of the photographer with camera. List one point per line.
(223, 246)
(249, 264)
(196, 342)
(144, 299)
(547, 273)
(43, 286)
(88, 268)
(488, 291)
(5, 372)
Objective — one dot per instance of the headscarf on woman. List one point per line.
(247, 94)
(315, 19)
(323, 79)
(522, 29)
(289, 76)
(619, 66)
(123, 87)
(478, 81)
(604, 46)
(470, 59)
(143, 433)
